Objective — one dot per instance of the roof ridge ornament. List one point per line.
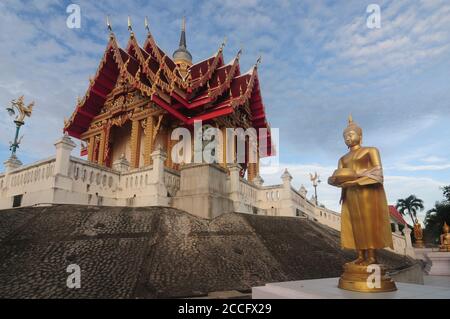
(239, 53)
(109, 26)
(146, 24)
(222, 45)
(130, 27)
(258, 61)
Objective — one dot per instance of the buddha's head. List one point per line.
(445, 228)
(352, 133)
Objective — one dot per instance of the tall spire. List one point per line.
(182, 54)
(183, 34)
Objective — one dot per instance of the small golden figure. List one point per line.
(445, 238)
(365, 224)
(418, 235)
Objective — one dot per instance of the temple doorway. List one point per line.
(120, 142)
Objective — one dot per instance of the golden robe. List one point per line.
(365, 222)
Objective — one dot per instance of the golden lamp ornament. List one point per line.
(365, 224)
(20, 111)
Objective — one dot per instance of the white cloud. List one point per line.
(434, 159)
(409, 35)
(436, 167)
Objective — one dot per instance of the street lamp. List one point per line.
(315, 180)
(21, 111)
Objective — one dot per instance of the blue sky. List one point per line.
(320, 63)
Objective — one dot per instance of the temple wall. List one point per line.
(201, 189)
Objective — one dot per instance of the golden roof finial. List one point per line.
(146, 24)
(183, 24)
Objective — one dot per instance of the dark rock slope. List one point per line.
(157, 252)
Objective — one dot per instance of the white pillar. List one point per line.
(64, 147)
(234, 177)
(286, 178)
(287, 203)
(258, 181)
(235, 182)
(397, 230)
(409, 247)
(11, 164)
(159, 156)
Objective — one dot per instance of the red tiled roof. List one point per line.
(395, 214)
(214, 91)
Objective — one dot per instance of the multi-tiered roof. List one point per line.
(208, 89)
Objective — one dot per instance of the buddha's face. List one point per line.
(352, 138)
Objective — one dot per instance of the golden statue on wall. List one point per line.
(365, 224)
(418, 234)
(445, 238)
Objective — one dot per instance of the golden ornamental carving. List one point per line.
(157, 127)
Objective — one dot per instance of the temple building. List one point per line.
(140, 94)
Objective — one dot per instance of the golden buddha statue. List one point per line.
(365, 224)
(418, 234)
(445, 238)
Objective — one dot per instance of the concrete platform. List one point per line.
(327, 289)
(438, 263)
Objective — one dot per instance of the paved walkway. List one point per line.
(437, 281)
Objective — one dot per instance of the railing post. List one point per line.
(287, 205)
(409, 250)
(158, 157)
(64, 147)
(11, 164)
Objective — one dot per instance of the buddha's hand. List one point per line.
(332, 180)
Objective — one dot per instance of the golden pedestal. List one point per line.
(444, 248)
(355, 278)
(419, 243)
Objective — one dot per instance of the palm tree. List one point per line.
(410, 205)
(435, 219)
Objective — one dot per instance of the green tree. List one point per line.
(409, 206)
(446, 191)
(435, 217)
